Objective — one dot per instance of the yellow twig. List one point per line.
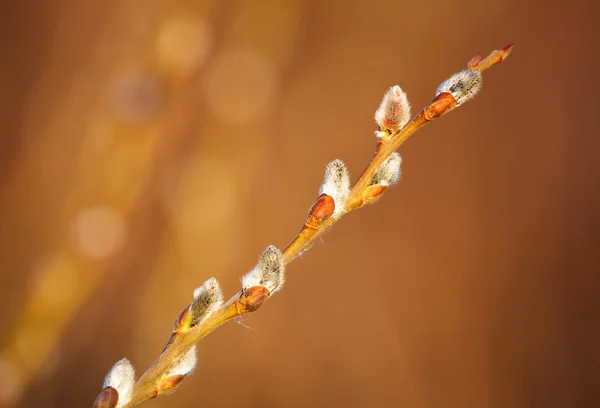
(320, 219)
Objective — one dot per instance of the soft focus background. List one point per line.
(149, 145)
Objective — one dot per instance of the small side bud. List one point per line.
(252, 298)
(168, 385)
(462, 86)
(474, 62)
(389, 171)
(321, 210)
(269, 272)
(441, 104)
(336, 184)
(393, 112)
(183, 322)
(372, 193)
(207, 299)
(122, 378)
(177, 373)
(387, 174)
(495, 57)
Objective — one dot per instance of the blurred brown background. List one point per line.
(148, 145)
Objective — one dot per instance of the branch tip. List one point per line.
(506, 50)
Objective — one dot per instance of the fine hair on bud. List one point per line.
(207, 299)
(389, 171)
(463, 85)
(336, 184)
(269, 272)
(393, 112)
(185, 365)
(122, 378)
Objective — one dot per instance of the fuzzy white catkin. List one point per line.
(394, 111)
(122, 378)
(389, 171)
(336, 184)
(207, 299)
(463, 85)
(186, 365)
(269, 272)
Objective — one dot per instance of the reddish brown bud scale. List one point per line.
(494, 58)
(184, 320)
(442, 104)
(474, 62)
(506, 50)
(373, 192)
(321, 210)
(108, 398)
(253, 298)
(169, 384)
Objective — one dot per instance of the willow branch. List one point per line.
(207, 311)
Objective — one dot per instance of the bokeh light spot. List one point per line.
(99, 232)
(55, 285)
(241, 87)
(182, 44)
(136, 97)
(207, 195)
(11, 383)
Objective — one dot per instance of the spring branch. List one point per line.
(207, 312)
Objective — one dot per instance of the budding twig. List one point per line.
(207, 310)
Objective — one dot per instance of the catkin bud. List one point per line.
(186, 365)
(176, 374)
(207, 299)
(462, 86)
(389, 171)
(393, 112)
(269, 272)
(122, 378)
(336, 184)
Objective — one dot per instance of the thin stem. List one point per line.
(243, 302)
(146, 384)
